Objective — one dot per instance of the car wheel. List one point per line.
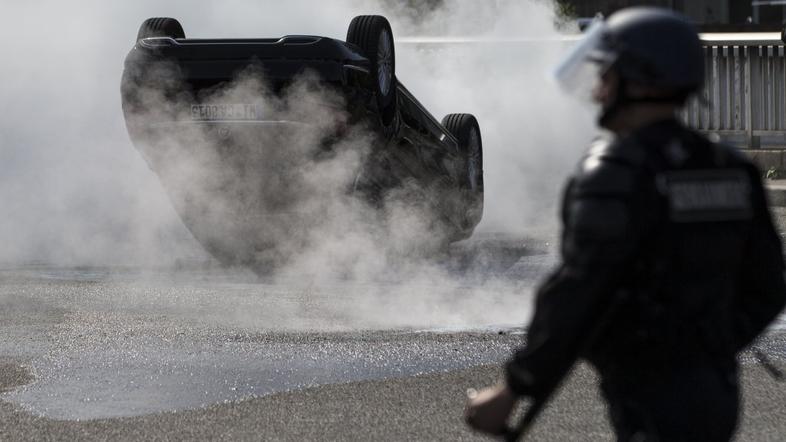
(373, 35)
(465, 128)
(160, 27)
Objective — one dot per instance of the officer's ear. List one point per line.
(638, 90)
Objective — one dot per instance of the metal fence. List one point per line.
(744, 100)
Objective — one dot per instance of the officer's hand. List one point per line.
(488, 410)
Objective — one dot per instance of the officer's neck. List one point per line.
(636, 116)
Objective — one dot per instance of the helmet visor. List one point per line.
(579, 71)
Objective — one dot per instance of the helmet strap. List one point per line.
(622, 100)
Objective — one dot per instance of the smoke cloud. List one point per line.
(76, 192)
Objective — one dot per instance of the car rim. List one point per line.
(384, 62)
(473, 160)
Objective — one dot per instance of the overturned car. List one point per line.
(262, 143)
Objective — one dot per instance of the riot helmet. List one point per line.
(653, 47)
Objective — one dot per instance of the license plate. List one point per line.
(219, 112)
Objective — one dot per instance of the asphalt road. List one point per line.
(201, 353)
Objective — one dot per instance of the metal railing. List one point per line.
(744, 98)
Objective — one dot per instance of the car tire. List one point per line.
(372, 34)
(160, 27)
(466, 130)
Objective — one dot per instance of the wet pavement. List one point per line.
(139, 375)
(89, 343)
(109, 342)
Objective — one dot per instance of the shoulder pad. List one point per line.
(609, 168)
(723, 155)
(731, 156)
(623, 150)
(597, 219)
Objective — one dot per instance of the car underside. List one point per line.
(256, 141)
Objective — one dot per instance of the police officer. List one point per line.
(670, 262)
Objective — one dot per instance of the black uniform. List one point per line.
(671, 266)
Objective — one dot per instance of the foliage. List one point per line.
(564, 14)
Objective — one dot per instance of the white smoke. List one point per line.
(76, 192)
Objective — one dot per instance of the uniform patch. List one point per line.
(707, 195)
